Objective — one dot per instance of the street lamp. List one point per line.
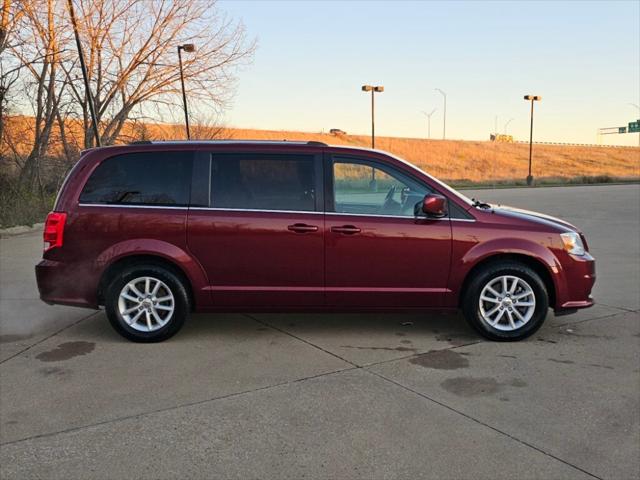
(531, 98)
(428, 115)
(373, 90)
(187, 47)
(444, 121)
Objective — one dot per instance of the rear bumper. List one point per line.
(60, 284)
(579, 278)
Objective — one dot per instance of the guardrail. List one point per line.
(576, 144)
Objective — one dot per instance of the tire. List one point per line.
(147, 321)
(519, 319)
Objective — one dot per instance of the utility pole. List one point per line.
(507, 124)
(638, 107)
(83, 67)
(444, 121)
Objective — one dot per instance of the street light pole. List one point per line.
(373, 89)
(532, 98)
(85, 77)
(428, 115)
(444, 121)
(187, 47)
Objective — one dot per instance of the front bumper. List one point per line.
(579, 278)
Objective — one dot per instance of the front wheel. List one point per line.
(506, 301)
(146, 303)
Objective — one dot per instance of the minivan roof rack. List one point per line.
(314, 143)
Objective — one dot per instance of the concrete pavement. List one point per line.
(332, 396)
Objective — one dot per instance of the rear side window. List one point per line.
(151, 178)
(263, 182)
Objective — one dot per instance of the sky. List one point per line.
(582, 57)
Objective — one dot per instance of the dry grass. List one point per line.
(482, 161)
(452, 160)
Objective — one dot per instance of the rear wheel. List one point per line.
(506, 301)
(146, 303)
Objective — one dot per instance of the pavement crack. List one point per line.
(173, 407)
(592, 319)
(626, 309)
(480, 422)
(328, 352)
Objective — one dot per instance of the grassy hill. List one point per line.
(457, 161)
(463, 161)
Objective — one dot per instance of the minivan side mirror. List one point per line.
(434, 205)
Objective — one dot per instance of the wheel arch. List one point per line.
(530, 261)
(145, 259)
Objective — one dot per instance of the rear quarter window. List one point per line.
(148, 178)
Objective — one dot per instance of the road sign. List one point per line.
(634, 127)
(622, 129)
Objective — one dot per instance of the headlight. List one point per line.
(572, 243)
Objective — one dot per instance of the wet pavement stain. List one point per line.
(573, 333)
(608, 367)
(57, 371)
(441, 360)
(478, 386)
(455, 338)
(567, 362)
(396, 349)
(65, 351)
(471, 386)
(13, 338)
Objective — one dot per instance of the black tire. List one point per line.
(181, 303)
(471, 301)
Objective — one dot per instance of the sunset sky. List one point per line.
(312, 58)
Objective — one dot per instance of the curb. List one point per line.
(20, 230)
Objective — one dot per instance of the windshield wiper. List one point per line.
(479, 204)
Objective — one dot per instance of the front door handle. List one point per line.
(346, 229)
(302, 228)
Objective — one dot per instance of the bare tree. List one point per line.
(9, 67)
(131, 48)
(39, 54)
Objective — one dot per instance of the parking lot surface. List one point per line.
(332, 395)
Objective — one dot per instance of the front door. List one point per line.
(260, 236)
(379, 253)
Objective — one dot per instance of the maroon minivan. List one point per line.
(155, 230)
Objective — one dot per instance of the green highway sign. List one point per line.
(634, 127)
(622, 129)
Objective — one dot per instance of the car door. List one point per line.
(257, 228)
(379, 253)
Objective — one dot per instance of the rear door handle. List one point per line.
(346, 229)
(302, 228)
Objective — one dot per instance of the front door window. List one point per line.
(366, 189)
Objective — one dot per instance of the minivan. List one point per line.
(155, 230)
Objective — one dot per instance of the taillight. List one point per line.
(54, 230)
